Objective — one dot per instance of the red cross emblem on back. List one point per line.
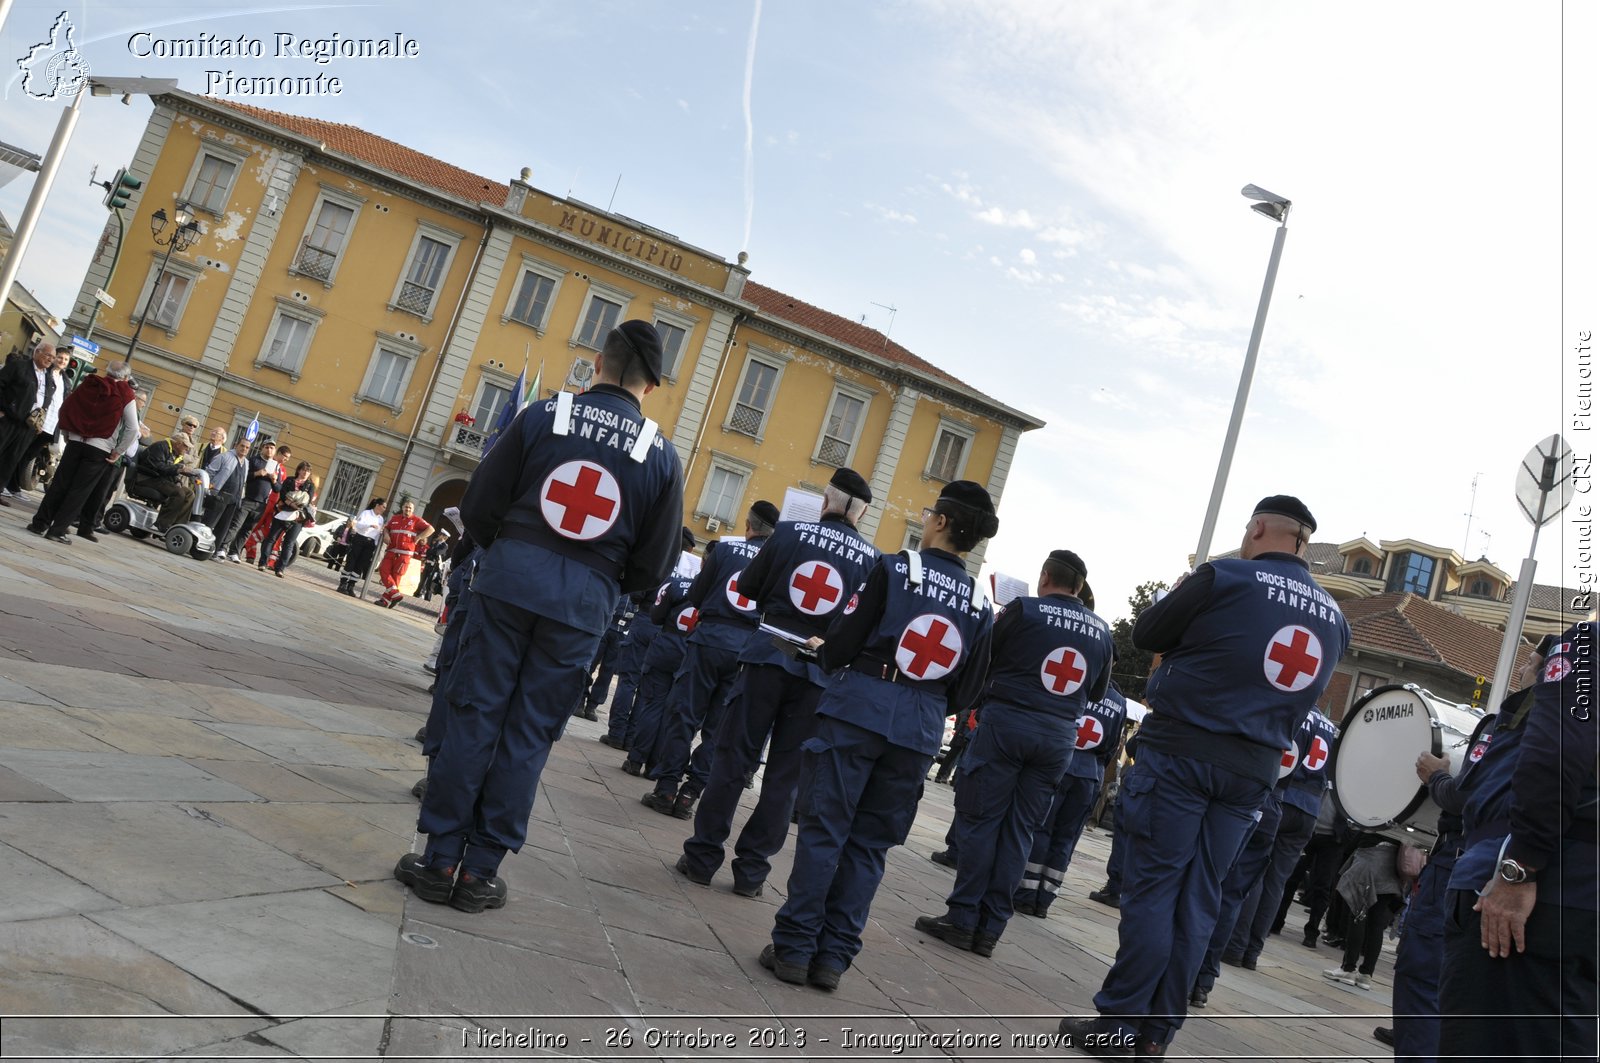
(687, 619)
(1556, 669)
(1062, 671)
(1290, 758)
(580, 500)
(1293, 658)
(1090, 733)
(815, 588)
(1317, 755)
(737, 600)
(929, 647)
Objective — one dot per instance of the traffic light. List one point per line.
(121, 188)
(76, 370)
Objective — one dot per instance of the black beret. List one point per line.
(1543, 649)
(638, 338)
(968, 494)
(765, 512)
(1086, 596)
(1070, 560)
(688, 539)
(1286, 506)
(850, 482)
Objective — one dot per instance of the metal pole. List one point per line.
(5, 9)
(1203, 551)
(41, 189)
(1519, 601)
(133, 344)
(94, 311)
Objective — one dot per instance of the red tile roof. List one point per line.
(376, 151)
(1414, 627)
(852, 333)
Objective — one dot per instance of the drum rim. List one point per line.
(1436, 747)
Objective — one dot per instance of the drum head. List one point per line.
(1374, 761)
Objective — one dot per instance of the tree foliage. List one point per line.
(1133, 664)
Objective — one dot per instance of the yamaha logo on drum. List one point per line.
(1389, 712)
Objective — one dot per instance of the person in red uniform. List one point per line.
(401, 535)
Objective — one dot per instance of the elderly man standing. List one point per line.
(99, 418)
(226, 473)
(578, 502)
(28, 388)
(1248, 644)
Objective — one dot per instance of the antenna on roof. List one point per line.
(1472, 507)
(892, 312)
(614, 193)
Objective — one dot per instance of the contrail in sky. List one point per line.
(749, 131)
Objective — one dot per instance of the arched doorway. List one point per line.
(444, 496)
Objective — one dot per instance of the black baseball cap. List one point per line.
(638, 339)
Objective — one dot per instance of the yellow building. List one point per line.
(366, 301)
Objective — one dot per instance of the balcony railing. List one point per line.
(315, 262)
(415, 298)
(465, 440)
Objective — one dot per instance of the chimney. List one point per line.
(517, 193)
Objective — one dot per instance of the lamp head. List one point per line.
(158, 221)
(1269, 204)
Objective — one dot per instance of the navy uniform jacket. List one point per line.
(726, 617)
(1247, 649)
(802, 578)
(907, 655)
(1313, 747)
(1052, 657)
(571, 521)
(674, 616)
(1098, 730)
(1536, 781)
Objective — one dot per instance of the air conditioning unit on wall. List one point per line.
(713, 525)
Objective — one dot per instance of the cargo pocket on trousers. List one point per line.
(811, 751)
(970, 780)
(1138, 804)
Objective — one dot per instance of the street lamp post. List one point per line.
(183, 236)
(124, 87)
(1276, 208)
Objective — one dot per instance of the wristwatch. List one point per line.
(1514, 873)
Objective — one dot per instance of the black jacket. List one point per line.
(19, 388)
(158, 462)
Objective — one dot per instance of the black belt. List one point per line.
(890, 673)
(572, 551)
(731, 621)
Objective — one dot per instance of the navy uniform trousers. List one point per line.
(1419, 962)
(699, 692)
(776, 703)
(458, 596)
(1055, 841)
(1260, 909)
(1237, 888)
(858, 798)
(1114, 861)
(1186, 821)
(511, 690)
(1008, 775)
(649, 708)
(605, 659)
(621, 722)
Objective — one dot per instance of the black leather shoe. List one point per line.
(422, 732)
(589, 714)
(824, 978)
(658, 802)
(1309, 941)
(64, 540)
(1198, 998)
(432, 884)
(942, 928)
(633, 767)
(682, 867)
(752, 890)
(89, 535)
(1248, 962)
(420, 790)
(1233, 959)
(683, 807)
(607, 740)
(983, 944)
(1107, 898)
(1023, 907)
(37, 529)
(472, 894)
(1097, 1037)
(793, 973)
(1384, 1035)
(943, 857)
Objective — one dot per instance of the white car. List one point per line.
(315, 540)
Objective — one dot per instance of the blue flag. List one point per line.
(254, 429)
(508, 412)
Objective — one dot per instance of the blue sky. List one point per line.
(1047, 194)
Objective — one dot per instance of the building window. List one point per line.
(389, 371)
(842, 427)
(724, 491)
(530, 304)
(211, 181)
(349, 487)
(492, 399)
(754, 401)
(948, 460)
(599, 318)
(1366, 683)
(1412, 572)
(166, 305)
(1482, 588)
(421, 284)
(1361, 566)
(324, 243)
(289, 337)
(674, 330)
(913, 535)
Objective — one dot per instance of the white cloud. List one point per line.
(1016, 219)
(891, 214)
(1027, 255)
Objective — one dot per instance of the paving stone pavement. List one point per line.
(204, 786)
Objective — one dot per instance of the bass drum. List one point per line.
(1375, 783)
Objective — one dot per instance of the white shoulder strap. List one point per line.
(914, 560)
(647, 436)
(563, 421)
